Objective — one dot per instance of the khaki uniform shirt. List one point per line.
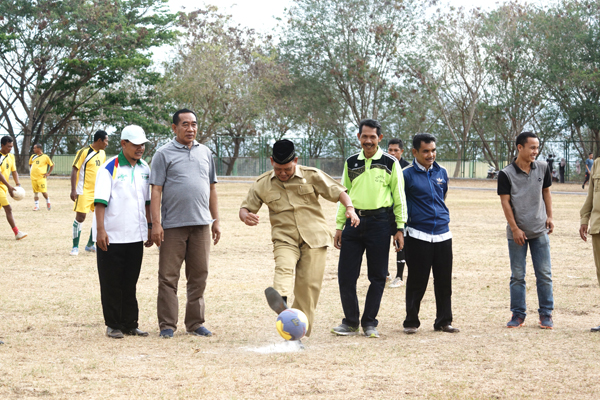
(590, 212)
(294, 208)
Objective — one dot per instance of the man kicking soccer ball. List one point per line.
(299, 231)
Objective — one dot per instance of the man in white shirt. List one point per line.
(120, 228)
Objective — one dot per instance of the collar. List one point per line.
(183, 146)
(378, 154)
(123, 161)
(297, 173)
(1, 153)
(514, 164)
(422, 168)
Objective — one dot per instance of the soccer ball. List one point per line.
(292, 324)
(19, 193)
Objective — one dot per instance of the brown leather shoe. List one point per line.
(448, 329)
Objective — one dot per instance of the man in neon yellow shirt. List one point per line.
(41, 166)
(376, 187)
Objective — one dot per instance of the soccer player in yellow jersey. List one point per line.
(83, 179)
(41, 166)
(7, 166)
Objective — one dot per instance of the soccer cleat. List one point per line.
(201, 331)
(275, 300)
(91, 249)
(20, 235)
(515, 322)
(397, 282)
(166, 333)
(371, 332)
(546, 322)
(74, 251)
(49, 206)
(345, 330)
(36, 208)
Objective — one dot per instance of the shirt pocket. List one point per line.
(273, 201)
(307, 193)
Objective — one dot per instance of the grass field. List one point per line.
(52, 326)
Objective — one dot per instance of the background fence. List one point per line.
(250, 156)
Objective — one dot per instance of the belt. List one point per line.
(370, 213)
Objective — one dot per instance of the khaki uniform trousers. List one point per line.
(309, 265)
(192, 244)
(596, 249)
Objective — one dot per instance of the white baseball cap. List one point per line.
(135, 134)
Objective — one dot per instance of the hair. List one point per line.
(100, 135)
(422, 137)
(182, 111)
(371, 123)
(5, 139)
(38, 145)
(524, 137)
(590, 153)
(396, 141)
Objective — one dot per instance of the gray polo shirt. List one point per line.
(185, 176)
(526, 199)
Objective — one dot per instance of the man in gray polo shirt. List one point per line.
(184, 178)
(524, 189)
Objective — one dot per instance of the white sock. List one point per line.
(76, 229)
(37, 203)
(48, 200)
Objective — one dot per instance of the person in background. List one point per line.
(8, 166)
(41, 166)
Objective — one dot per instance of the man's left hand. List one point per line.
(216, 232)
(351, 214)
(399, 241)
(549, 225)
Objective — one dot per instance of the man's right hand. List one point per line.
(11, 191)
(74, 195)
(583, 232)
(519, 237)
(158, 235)
(337, 239)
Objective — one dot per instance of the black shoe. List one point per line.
(114, 333)
(595, 329)
(275, 300)
(447, 328)
(1, 342)
(135, 332)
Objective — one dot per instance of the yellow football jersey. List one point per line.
(7, 165)
(88, 161)
(39, 165)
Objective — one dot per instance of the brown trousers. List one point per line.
(596, 249)
(309, 265)
(192, 245)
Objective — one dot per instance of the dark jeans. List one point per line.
(421, 258)
(119, 269)
(372, 235)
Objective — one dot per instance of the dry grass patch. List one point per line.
(51, 320)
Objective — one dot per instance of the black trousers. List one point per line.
(119, 270)
(421, 258)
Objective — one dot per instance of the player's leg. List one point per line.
(517, 255)
(196, 271)
(36, 197)
(9, 215)
(44, 191)
(442, 284)
(171, 256)
(90, 244)
(542, 266)
(286, 258)
(419, 258)
(400, 263)
(81, 208)
(309, 278)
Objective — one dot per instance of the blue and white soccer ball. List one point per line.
(292, 324)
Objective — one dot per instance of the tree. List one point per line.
(57, 56)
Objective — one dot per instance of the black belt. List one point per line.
(370, 213)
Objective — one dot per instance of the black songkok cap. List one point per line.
(283, 151)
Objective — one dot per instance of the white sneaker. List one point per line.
(20, 235)
(75, 251)
(388, 278)
(36, 208)
(397, 282)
